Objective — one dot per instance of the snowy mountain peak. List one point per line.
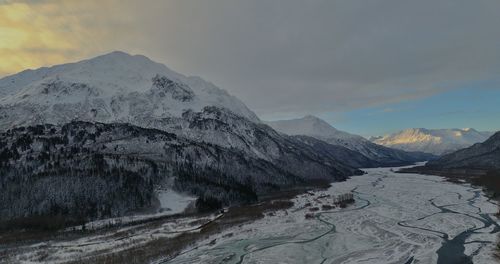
(312, 118)
(118, 56)
(467, 129)
(115, 87)
(436, 141)
(308, 125)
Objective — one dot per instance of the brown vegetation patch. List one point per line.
(327, 207)
(314, 209)
(309, 216)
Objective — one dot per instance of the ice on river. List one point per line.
(397, 218)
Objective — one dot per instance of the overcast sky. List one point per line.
(283, 58)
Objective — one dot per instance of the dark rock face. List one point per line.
(57, 88)
(178, 90)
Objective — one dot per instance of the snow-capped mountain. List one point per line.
(93, 130)
(311, 126)
(435, 141)
(121, 88)
(320, 129)
(115, 87)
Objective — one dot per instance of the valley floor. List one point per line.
(396, 218)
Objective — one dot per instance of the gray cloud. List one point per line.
(316, 56)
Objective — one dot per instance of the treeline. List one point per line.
(213, 187)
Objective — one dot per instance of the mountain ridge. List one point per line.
(315, 127)
(484, 155)
(435, 141)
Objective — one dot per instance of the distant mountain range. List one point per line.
(377, 155)
(435, 141)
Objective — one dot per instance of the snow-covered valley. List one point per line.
(397, 218)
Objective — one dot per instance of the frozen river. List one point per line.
(397, 218)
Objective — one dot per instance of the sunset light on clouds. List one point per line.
(41, 33)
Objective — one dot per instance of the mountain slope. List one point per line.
(343, 154)
(95, 170)
(435, 141)
(318, 128)
(484, 155)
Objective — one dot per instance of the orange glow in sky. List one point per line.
(42, 33)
